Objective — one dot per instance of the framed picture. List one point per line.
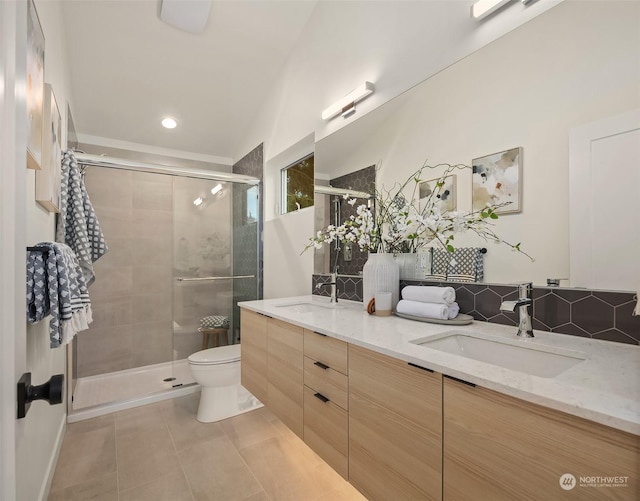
(35, 87)
(446, 194)
(497, 179)
(48, 177)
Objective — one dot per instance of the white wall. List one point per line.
(574, 64)
(40, 432)
(344, 44)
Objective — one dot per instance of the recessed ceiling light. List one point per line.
(169, 123)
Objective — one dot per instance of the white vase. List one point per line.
(380, 273)
(413, 265)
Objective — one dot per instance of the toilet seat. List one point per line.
(216, 356)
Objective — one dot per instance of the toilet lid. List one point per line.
(215, 356)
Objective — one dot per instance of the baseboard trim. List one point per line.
(53, 460)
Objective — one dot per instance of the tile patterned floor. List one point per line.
(159, 452)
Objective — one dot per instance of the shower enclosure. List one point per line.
(181, 248)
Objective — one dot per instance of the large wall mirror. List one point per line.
(576, 64)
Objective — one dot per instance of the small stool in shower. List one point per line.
(216, 326)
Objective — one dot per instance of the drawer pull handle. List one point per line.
(460, 381)
(320, 334)
(320, 396)
(321, 365)
(419, 367)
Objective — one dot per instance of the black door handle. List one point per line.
(51, 391)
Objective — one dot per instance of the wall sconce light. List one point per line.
(482, 8)
(347, 105)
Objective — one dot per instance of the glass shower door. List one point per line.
(215, 264)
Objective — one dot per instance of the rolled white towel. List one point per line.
(425, 294)
(454, 309)
(428, 310)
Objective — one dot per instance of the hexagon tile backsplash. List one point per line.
(578, 312)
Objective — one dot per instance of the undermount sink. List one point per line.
(309, 306)
(516, 354)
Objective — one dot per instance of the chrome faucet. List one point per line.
(524, 303)
(334, 287)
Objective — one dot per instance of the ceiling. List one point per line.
(129, 69)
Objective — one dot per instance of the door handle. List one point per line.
(51, 391)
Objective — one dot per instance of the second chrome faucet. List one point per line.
(524, 305)
(334, 287)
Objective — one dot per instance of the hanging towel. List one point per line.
(56, 287)
(468, 265)
(425, 294)
(465, 264)
(428, 310)
(77, 224)
(439, 264)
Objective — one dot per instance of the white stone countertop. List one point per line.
(605, 388)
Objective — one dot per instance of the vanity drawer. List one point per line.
(326, 428)
(332, 384)
(325, 349)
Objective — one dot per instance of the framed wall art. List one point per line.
(497, 179)
(48, 177)
(446, 194)
(35, 87)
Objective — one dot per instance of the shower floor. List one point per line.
(131, 384)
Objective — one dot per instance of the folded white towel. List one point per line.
(428, 310)
(442, 295)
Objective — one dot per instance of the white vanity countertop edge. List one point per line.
(605, 388)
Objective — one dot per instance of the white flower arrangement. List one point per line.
(397, 224)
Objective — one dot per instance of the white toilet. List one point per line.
(217, 371)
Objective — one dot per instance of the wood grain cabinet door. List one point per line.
(253, 349)
(500, 448)
(285, 373)
(395, 428)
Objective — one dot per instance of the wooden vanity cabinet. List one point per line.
(285, 373)
(253, 349)
(499, 447)
(326, 418)
(395, 428)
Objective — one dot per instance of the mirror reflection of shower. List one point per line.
(334, 208)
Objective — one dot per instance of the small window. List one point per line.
(297, 185)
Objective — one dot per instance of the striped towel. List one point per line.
(56, 287)
(77, 224)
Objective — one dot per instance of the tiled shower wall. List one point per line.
(132, 314)
(155, 233)
(578, 312)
